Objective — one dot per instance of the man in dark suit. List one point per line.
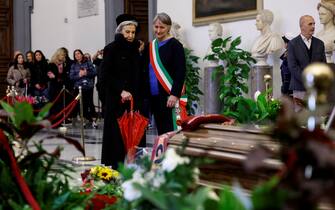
(303, 50)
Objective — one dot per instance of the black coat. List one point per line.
(121, 70)
(299, 57)
(39, 73)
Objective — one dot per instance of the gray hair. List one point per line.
(266, 16)
(125, 23)
(164, 18)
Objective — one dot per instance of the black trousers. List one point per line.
(162, 114)
(88, 105)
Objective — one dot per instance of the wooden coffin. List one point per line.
(228, 147)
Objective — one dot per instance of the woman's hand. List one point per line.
(171, 102)
(51, 75)
(82, 72)
(141, 48)
(125, 96)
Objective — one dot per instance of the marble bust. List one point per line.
(175, 32)
(327, 34)
(214, 32)
(268, 41)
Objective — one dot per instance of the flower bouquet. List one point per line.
(103, 183)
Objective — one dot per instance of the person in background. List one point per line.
(303, 50)
(97, 61)
(285, 72)
(98, 57)
(57, 77)
(16, 52)
(69, 86)
(18, 75)
(29, 59)
(88, 57)
(121, 82)
(167, 59)
(39, 79)
(67, 66)
(82, 74)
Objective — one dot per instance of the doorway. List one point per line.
(139, 9)
(6, 40)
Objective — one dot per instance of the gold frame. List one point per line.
(225, 17)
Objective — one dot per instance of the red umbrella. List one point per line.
(132, 126)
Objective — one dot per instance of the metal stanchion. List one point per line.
(8, 95)
(63, 129)
(84, 158)
(13, 94)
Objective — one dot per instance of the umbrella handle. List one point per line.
(131, 104)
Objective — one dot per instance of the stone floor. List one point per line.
(92, 138)
(93, 144)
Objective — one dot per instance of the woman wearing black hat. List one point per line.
(120, 82)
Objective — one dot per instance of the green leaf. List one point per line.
(23, 113)
(44, 111)
(10, 110)
(156, 198)
(268, 196)
(225, 41)
(262, 103)
(228, 201)
(235, 43)
(217, 43)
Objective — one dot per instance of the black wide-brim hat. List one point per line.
(127, 17)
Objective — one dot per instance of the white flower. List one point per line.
(158, 180)
(196, 173)
(130, 193)
(257, 93)
(149, 176)
(172, 160)
(212, 195)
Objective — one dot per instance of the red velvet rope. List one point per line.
(54, 117)
(70, 107)
(17, 174)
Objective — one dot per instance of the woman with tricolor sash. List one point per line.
(166, 74)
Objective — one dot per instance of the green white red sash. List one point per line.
(164, 78)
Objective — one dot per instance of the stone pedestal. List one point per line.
(212, 103)
(257, 78)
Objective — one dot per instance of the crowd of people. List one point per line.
(33, 75)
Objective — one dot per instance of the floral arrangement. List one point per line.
(102, 180)
(173, 185)
(28, 99)
(33, 177)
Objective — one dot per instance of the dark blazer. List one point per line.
(299, 58)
